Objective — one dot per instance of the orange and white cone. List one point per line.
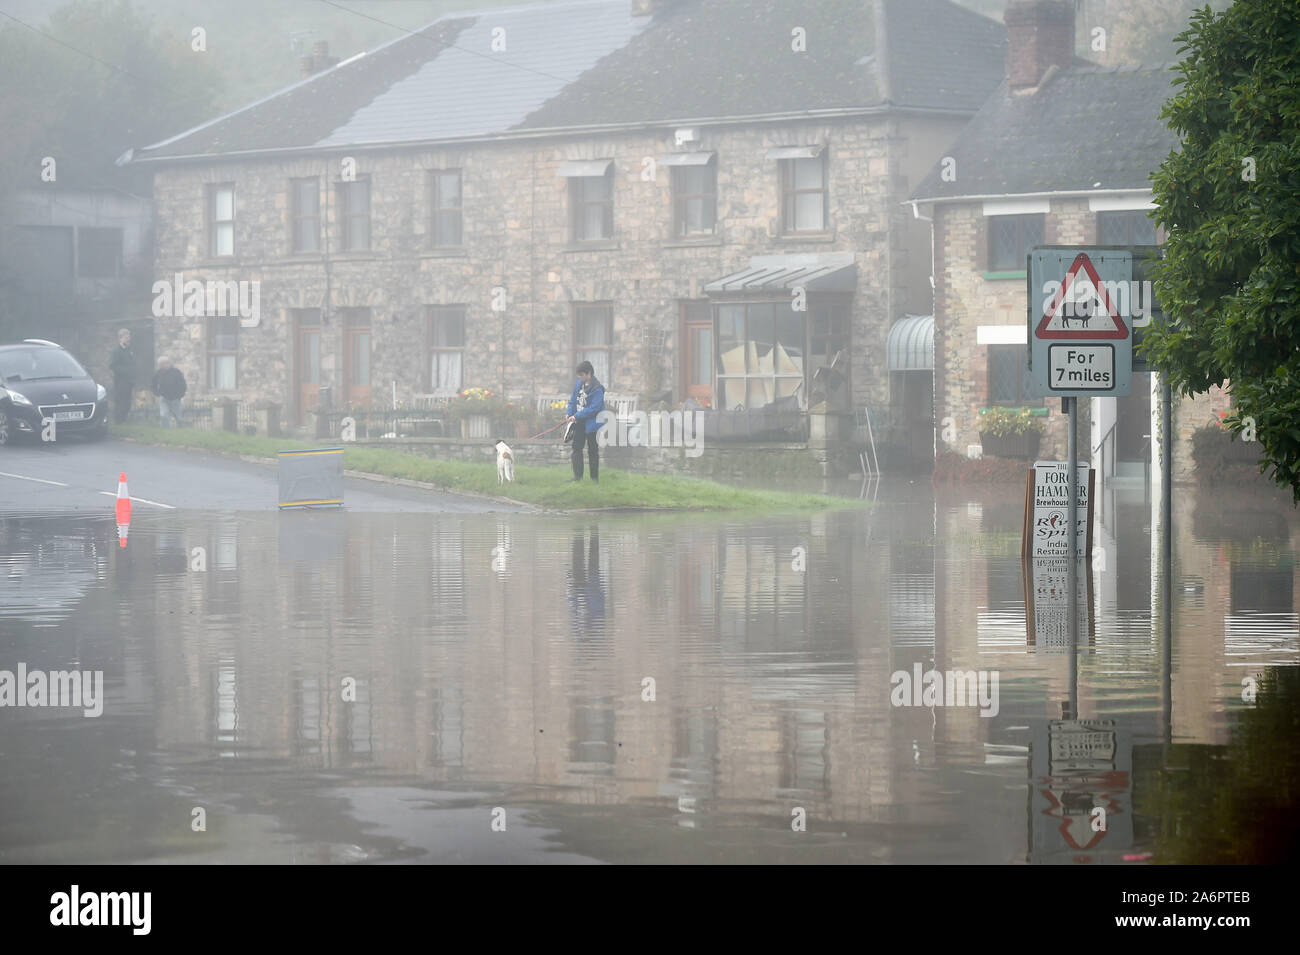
(123, 510)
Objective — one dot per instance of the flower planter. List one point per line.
(1021, 446)
(476, 426)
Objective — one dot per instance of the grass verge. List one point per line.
(547, 487)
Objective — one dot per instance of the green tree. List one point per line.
(1229, 198)
(96, 80)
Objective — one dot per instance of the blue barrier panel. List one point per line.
(311, 478)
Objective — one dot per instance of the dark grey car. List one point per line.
(40, 382)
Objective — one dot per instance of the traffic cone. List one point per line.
(123, 510)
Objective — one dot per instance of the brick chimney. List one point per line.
(1040, 35)
(321, 59)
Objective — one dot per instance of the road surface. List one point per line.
(76, 476)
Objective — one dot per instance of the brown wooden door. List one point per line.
(307, 369)
(697, 354)
(356, 359)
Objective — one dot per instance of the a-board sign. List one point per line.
(1047, 510)
(1081, 305)
(1047, 603)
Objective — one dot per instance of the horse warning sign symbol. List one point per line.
(1082, 308)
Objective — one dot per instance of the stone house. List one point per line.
(1061, 154)
(704, 198)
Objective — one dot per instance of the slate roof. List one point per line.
(588, 64)
(1087, 128)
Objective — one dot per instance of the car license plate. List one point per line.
(69, 415)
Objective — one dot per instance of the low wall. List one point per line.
(721, 462)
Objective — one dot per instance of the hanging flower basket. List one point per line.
(1010, 433)
(1022, 446)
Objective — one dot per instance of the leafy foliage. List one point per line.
(100, 80)
(1230, 284)
(1009, 422)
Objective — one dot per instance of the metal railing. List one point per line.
(387, 422)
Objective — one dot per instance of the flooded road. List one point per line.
(363, 686)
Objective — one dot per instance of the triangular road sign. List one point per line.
(1081, 310)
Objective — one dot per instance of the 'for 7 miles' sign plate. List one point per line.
(1074, 367)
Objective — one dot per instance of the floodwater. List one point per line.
(364, 687)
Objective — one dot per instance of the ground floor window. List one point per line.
(446, 339)
(593, 334)
(223, 347)
(1008, 376)
(767, 350)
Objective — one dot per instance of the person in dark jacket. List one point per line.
(586, 402)
(169, 385)
(122, 365)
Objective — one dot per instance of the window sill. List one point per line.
(1036, 411)
(368, 255)
(994, 276)
(820, 238)
(445, 252)
(596, 245)
(688, 243)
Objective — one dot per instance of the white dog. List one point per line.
(505, 462)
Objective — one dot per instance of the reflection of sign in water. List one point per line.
(1081, 746)
(1047, 510)
(1081, 790)
(1047, 602)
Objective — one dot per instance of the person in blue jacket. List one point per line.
(586, 402)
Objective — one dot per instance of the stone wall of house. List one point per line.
(1190, 414)
(516, 238)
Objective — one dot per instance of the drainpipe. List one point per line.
(934, 358)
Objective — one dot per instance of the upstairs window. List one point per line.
(805, 195)
(354, 212)
(304, 198)
(591, 199)
(221, 219)
(445, 206)
(695, 194)
(1011, 238)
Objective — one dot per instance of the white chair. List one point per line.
(623, 406)
(432, 400)
(544, 403)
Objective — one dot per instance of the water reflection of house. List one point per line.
(438, 217)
